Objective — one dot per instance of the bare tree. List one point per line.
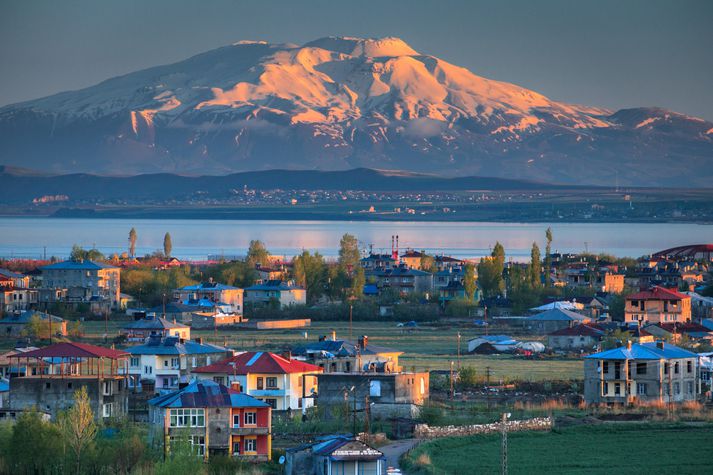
(132, 242)
(78, 425)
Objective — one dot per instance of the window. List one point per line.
(375, 388)
(175, 363)
(134, 361)
(677, 388)
(236, 420)
(165, 363)
(107, 409)
(107, 388)
(198, 444)
(641, 389)
(69, 385)
(640, 368)
(236, 448)
(187, 418)
(219, 379)
(259, 383)
(271, 383)
(250, 418)
(48, 385)
(250, 445)
(665, 368)
(689, 366)
(605, 367)
(272, 402)
(689, 387)
(148, 369)
(676, 367)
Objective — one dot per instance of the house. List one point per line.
(9, 368)
(153, 326)
(170, 361)
(489, 344)
(281, 381)
(15, 299)
(178, 311)
(14, 279)
(657, 305)
(555, 319)
(215, 319)
(378, 261)
(213, 292)
(343, 356)
(216, 419)
(674, 331)
(402, 279)
(641, 373)
(284, 293)
(58, 370)
(269, 273)
(387, 394)
(603, 279)
(15, 324)
(332, 455)
(596, 307)
(412, 259)
(576, 338)
(85, 281)
(705, 370)
(448, 262)
(701, 306)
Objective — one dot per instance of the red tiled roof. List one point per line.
(681, 327)
(258, 362)
(578, 330)
(658, 293)
(73, 350)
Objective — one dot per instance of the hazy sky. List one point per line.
(614, 54)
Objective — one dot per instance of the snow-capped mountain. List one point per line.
(341, 103)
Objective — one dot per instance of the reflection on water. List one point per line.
(196, 239)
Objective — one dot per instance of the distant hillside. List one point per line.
(24, 186)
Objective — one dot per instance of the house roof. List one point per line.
(681, 327)
(258, 362)
(398, 271)
(643, 351)
(175, 307)
(342, 348)
(26, 316)
(493, 338)
(157, 323)
(559, 314)
(346, 448)
(274, 285)
(578, 330)
(208, 286)
(71, 349)
(205, 393)
(566, 305)
(658, 293)
(10, 274)
(172, 345)
(78, 265)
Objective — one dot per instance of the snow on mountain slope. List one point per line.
(337, 103)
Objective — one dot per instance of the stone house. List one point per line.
(343, 356)
(332, 455)
(657, 305)
(213, 294)
(576, 338)
(88, 281)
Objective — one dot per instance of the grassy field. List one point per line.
(425, 348)
(605, 449)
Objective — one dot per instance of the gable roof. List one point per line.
(658, 293)
(559, 314)
(172, 345)
(157, 323)
(274, 285)
(26, 316)
(10, 274)
(258, 362)
(643, 351)
(205, 393)
(71, 349)
(78, 265)
(209, 286)
(346, 448)
(683, 327)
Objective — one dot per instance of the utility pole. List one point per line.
(459, 351)
(504, 445)
(350, 321)
(487, 385)
(452, 390)
(354, 413)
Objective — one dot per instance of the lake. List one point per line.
(197, 239)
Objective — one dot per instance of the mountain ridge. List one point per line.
(339, 103)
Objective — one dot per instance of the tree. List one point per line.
(310, 273)
(490, 277)
(469, 282)
(167, 245)
(349, 255)
(535, 266)
(34, 447)
(428, 263)
(498, 254)
(548, 257)
(80, 254)
(257, 254)
(33, 328)
(78, 425)
(358, 282)
(132, 242)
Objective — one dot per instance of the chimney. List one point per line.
(334, 335)
(628, 345)
(363, 341)
(235, 386)
(659, 344)
(287, 355)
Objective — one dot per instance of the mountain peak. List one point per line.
(369, 47)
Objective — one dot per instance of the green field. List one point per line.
(425, 348)
(605, 449)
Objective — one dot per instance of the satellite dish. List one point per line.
(282, 459)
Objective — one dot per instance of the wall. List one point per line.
(424, 431)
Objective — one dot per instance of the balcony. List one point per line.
(250, 430)
(267, 392)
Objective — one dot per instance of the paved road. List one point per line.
(395, 450)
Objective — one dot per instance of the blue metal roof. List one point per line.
(559, 314)
(644, 351)
(273, 285)
(173, 346)
(206, 393)
(208, 286)
(78, 265)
